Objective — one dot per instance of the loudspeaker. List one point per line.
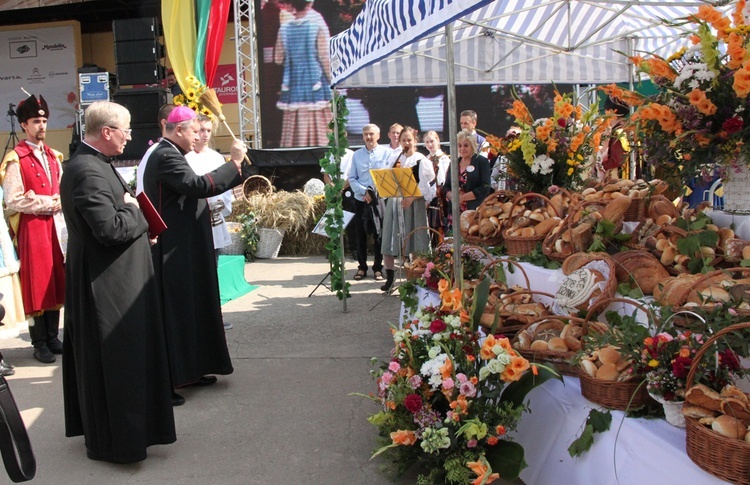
(141, 139)
(143, 104)
(135, 29)
(138, 51)
(151, 72)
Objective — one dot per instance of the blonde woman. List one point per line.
(403, 215)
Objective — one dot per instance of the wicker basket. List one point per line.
(477, 240)
(412, 273)
(726, 458)
(561, 360)
(269, 243)
(256, 183)
(519, 245)
(515, 264)
(703, 283)
(624, 395)
(637, 210)
(237, 246)
(570, 222)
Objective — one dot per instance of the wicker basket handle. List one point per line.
(702, 351)
(422, 228)
(514, 263)
(686, 293)
(601, 304)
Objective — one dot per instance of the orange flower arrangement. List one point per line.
(441, 395)
(701, 116)
(558, 150)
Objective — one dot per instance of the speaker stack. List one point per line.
(139, 57)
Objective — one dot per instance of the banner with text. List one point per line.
(41, 61)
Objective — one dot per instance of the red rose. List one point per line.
(732, 125)
(413, 403)
(437, 326)
(681, 366)
(561, 122)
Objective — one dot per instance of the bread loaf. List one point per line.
(730, 427)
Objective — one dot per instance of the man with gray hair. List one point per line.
(371, 156)
(183, 256)
(116, 384)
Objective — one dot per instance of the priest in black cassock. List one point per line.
(183, 256)
(116, 383)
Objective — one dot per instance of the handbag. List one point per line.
(15, 446)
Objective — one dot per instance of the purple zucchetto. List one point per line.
(180, 114)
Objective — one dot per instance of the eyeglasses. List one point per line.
(127, 132)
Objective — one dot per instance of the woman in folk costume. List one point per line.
(403, 215)
(30, 176)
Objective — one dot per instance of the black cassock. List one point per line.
(185, 264)
(116, 381)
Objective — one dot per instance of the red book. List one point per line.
(155, 223)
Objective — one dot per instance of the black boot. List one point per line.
(38, 334)
(389, 275)
(52, 321)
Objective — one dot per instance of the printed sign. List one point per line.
(43, 62)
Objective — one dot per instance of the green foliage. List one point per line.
(605, 232)
(331, 164)
(249, 234)
(596, 422)
(538, 258)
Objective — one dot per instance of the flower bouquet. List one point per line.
(700, 118)
(192, 97)
(669, 358)
(449, 396)
(559, 150)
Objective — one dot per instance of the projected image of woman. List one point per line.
(302, 47)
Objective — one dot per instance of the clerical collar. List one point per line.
(108, 159)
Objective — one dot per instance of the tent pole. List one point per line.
(631, 84)
(452, 130)
(338, 166)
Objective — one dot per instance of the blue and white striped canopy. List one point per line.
(506, 41)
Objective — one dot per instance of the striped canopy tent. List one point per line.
(507, 41)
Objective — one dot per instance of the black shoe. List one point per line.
(205, 381)
(177, 400)
(55, 346)
(389, 277)
(43, 355)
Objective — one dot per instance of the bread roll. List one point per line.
(607, 372)
(730, 427)
(609, 355)
(528, 232)
(546, 226)
(589, 367)
(539, 345)
(735, 408)
(557, 344)
(734, 392)
(697, 412)
(466, 221)
(701, 395)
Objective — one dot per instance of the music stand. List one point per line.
(396, 182)
(320, 229)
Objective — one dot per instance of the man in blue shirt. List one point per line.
(371, 156)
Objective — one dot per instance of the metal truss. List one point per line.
(248, 85)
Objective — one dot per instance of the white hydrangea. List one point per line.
(542, 164)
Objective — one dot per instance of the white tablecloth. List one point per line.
(645, 451)
(740, 222)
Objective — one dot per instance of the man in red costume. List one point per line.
(30, 175)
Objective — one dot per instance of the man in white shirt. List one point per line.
(202, 160)
(394, 132)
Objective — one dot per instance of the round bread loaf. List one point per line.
(539, 345)
(557, 344)
(607, 372)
